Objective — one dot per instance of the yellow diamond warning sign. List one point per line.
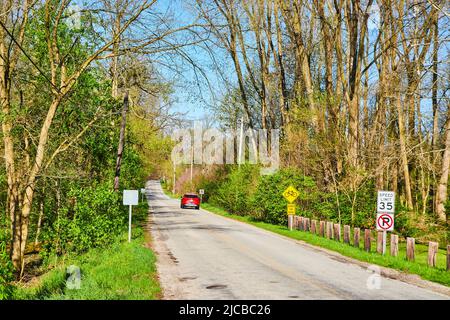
(290, 194)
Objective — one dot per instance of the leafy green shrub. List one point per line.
(212, 182)
(325, 207)
(91, 220)
(268, 202)
(332, 207)
(6, 270)
(234, 194)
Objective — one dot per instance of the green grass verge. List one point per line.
(122, 271)
(419, 267)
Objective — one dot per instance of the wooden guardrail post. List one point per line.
(448, 257)
(356, 236)
(380, 242)
(314, 226)
(367, 240)
(329, 230)
(300, 223)
(394, 245)
(337, 232)
(322, 229)
(346, 234)
(410, 248)
(307, 224)
(433, 248)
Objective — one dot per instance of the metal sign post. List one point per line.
(385, 214)
(291, 194)
(129, 224)
(291, 214)
(130, 198)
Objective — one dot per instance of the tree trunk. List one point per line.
(441, 196)
(435, 88)
(39, 223)
(403, 154)
(121, 141)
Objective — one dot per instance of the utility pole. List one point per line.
(192, 163)
(241, 141)
(174, 177)
(121, 141)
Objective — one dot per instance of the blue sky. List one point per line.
(192, 93)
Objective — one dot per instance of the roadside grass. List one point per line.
(419, 266)
(122, 271)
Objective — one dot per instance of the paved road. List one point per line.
(205, 256)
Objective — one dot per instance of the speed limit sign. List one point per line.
(386, 202)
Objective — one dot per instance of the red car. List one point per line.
(190, 200)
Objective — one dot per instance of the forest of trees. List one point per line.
(359, 89)
(82, 112)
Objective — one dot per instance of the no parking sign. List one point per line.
(385, 222)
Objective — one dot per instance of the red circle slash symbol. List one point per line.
(385, 221)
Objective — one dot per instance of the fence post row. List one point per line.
(333, 231)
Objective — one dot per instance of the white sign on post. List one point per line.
(386, 202)
(385, 214)
(130, 198)
(202, 191)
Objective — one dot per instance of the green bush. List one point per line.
(212, 183)
(234, 194)
(90, 220)
(6, 269)
(268, 202)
